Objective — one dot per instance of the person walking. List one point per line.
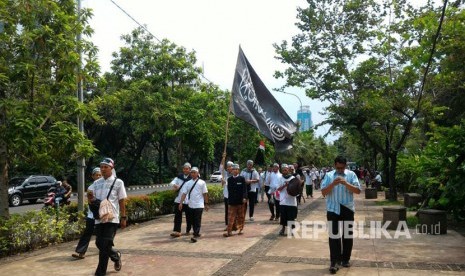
(297, 173)
(266, 182)
(177, 183)
(288, 203)
(112, 188)
(196, 192)
(260, 191)
(339, 186)
(308, 183)
(314, 174)
(377, 181)
(273, 202)
(83, 243)
(225, 175)
(251, 178)
(237, 191)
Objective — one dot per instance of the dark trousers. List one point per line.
(288, 213)
(252, 195)
(270, 205)
(340, 248)
(105, 234)
(196, 219)
(225, 199)
(278, 208)
(83, 243)
(178, 218)
(309, 189)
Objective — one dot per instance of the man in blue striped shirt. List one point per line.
(339, 187)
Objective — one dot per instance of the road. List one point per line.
(26, 206)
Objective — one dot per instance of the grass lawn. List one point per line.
(389, 203)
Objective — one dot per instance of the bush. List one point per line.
(412, 221)
(37, 229)
(145, 207)
(439, 170)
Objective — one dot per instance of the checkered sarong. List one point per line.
(235, 217)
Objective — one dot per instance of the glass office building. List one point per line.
(304, 118)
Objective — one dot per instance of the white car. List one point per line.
(216, 177)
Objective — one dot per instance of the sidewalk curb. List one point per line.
(139, 188)
(147, 187)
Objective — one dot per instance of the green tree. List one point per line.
(243, 142)
(309, 150)
(438, 171)
(39, 57)
(367, 59)
(449, 78)
(157, 112)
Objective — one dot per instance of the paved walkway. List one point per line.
(148, 249)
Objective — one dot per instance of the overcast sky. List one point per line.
(214, 29)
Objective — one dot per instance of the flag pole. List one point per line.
(223, 159)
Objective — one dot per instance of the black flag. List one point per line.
(253, 103)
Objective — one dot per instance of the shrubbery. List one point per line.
(37, 229)
(438, 172)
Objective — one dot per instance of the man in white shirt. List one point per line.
(315, 175)
(195, 190)
(377, 181)
(260, 193)
(251, 178)
(224, 177)
(177, 184)
(266, 180)
(308, 183)
(288, 203)
(111, 188)
(274, 181)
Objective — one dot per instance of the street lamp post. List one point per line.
(294, 96)
(81, 162)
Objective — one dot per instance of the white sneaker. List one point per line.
(251, 219)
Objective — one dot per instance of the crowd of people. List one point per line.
(242, 190)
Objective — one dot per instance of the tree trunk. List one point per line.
(160, 159)
(139, 150)
(386, 169)
(4, 203)
(392, 177)
(179, 156)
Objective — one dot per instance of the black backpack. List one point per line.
(293, 189)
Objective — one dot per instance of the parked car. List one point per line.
(29, 188)
(216, 177)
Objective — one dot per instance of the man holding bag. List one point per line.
(111, 188)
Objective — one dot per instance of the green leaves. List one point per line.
(38, 72)
(440, 169)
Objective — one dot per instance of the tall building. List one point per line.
(304, 118)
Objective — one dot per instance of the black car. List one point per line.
(30, 188)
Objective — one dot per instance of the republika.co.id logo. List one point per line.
(355, 229)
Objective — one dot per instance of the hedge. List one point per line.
(36, 229)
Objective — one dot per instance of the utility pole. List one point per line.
(81, 162)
